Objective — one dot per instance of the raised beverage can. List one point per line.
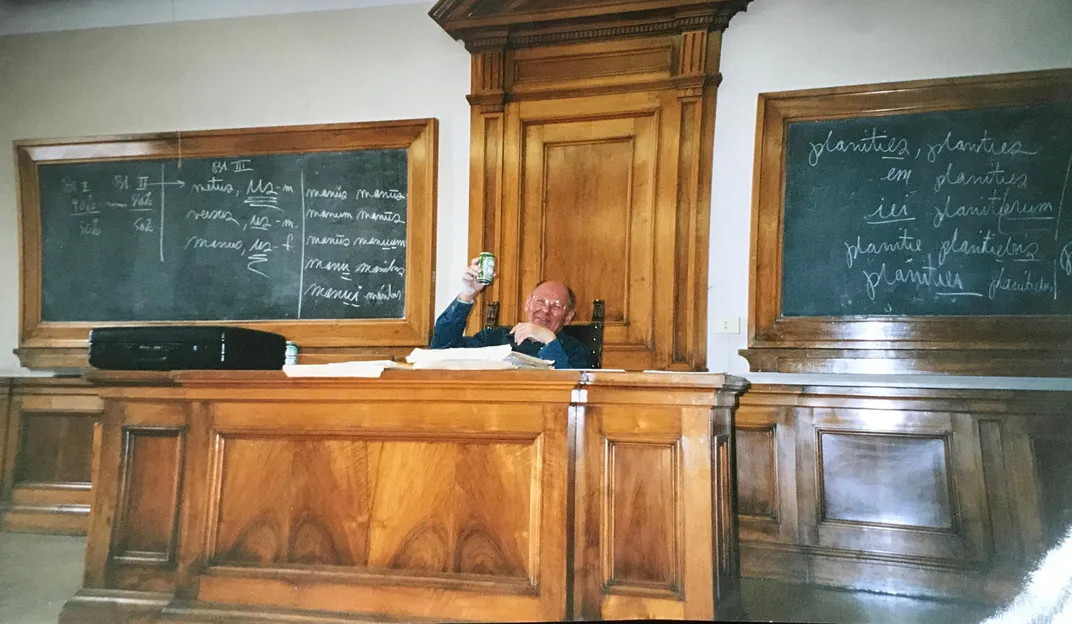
(291, 353)
(485, 267)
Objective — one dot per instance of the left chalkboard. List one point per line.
(322, 233)
(279, 236)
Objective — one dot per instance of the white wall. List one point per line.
(395, 62)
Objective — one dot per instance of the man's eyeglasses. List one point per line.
(545, 304)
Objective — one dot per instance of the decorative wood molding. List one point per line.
(490, 24)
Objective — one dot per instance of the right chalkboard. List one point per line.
(914, 227)
(942, 213)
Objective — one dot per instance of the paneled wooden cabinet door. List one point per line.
(586, 208)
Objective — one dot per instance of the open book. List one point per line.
(478, 358)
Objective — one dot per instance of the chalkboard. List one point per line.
(317, 235)
(930, 214)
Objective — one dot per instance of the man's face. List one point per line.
(548, 306)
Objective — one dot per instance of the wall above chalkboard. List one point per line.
(920, 226)
(322, 233)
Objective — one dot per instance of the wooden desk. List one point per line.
(493, 496)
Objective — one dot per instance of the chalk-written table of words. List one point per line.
(282, 236)
(944, 213)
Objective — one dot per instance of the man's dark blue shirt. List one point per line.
(565, 352)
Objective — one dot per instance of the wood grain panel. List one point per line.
(254, 502)
(757, 486)
(152, 473)
(587, 211)
(331, 491)
(588, 192)
(54, 448)
(642, 504)
(495, 517)
(413, 528)
(466, 508)
(857, 487)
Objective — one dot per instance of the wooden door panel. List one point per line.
(587, 217)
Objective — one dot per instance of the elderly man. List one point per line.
(548, 308)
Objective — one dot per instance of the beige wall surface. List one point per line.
(394, 62)
(326, 67)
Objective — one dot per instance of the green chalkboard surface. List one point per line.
(965, 212)
(319, 235)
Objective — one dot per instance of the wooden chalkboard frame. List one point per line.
(881, 344)
(64, 345)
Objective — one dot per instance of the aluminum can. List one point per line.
(485, 267)
(291, 354)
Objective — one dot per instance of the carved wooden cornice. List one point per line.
(499, 24)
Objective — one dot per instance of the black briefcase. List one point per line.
(161, 347)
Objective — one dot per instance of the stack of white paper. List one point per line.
(368, 368)
(478, 358)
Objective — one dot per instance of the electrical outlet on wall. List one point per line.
(725, 325)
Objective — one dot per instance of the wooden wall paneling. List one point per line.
(1049, 439)
(852, 503)
(726, 552)
(8, 439)
(150, 495)
(200, 486)
(766, 472)
(47, 481)
(105, 499)
(1014, 519)
(985, 445)
(699, 53)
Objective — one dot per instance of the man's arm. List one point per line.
(450, 328)
(568, 353)
(555, 352)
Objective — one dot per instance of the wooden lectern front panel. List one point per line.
(465, 508)
(497, 496)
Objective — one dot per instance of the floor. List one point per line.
(39, 572)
